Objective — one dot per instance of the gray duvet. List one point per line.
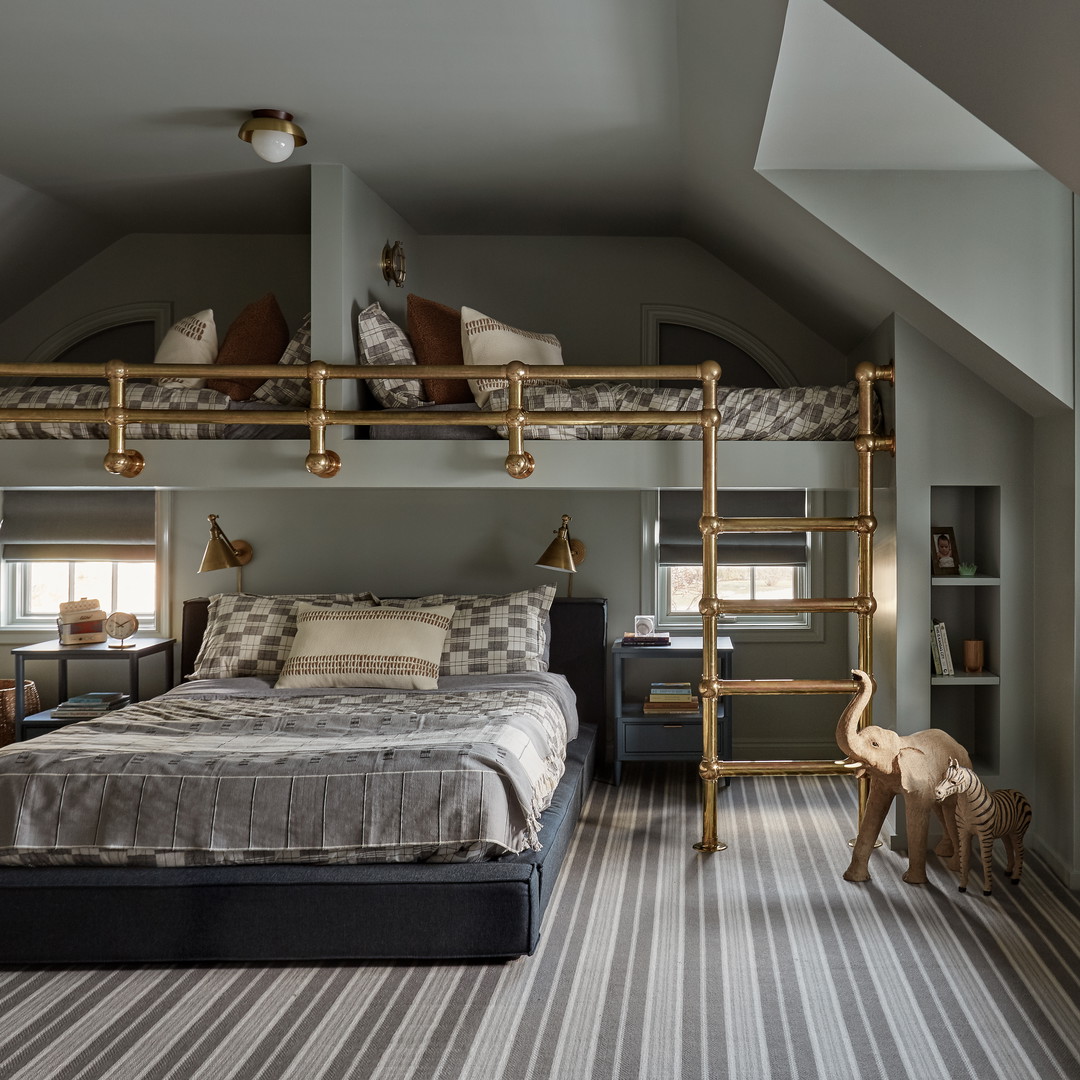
(233, 771)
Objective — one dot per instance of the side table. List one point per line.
(641, 737)
(63, 654)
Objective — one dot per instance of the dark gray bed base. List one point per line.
(281, 912)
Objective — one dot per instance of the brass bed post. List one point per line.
(710, 767)
(119, 460)
(319, 461)
(519, 462)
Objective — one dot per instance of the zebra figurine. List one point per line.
(987, 815)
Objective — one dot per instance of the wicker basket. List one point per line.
(31, 704)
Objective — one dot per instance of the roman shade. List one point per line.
(680, 538)
(58, 526)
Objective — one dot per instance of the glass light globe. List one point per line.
(272, 145)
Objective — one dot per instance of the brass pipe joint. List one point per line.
(866, 524)
(710, 769)
(323, 463)
(520, 465)
(710, 688)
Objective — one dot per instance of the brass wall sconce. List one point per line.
(393, 263)
(221, 552)
(272, 134)
(563, 554)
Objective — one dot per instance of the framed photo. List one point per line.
(944, 558)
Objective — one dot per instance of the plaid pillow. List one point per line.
(382, 341)
(251, 635)
(492, 635)
(294, 392)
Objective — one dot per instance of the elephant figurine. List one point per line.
(908, 765)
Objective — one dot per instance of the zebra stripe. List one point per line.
(1005, 813)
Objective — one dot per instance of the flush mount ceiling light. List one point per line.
(272, 134)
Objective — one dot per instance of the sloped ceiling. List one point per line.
(635, 117)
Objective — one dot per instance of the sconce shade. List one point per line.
(563, 554)
(221, 553)
(272, 134)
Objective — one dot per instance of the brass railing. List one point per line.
(519, 463)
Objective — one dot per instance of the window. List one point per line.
(60, 546)
(38, 588)
(750, 566)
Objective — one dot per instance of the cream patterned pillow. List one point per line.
(487, 341)
(392, 648)
(192, 340)
(251, 635)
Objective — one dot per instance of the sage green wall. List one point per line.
(224, 273)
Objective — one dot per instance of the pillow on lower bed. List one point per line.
(382, 647)
(251, 635)
(383, 342)
(492, 635)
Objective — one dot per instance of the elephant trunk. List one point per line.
(848, 725)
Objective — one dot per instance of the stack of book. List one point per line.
(940, 652)
(659, 638)
(87, 706)
(671, 698)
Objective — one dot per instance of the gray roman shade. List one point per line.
(58, 526)
(680, 540)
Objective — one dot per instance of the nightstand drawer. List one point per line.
(664, 737)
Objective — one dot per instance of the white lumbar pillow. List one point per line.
(487, 341)
(385, 647)
(193, 340)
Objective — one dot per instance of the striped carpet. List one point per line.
(758, 963)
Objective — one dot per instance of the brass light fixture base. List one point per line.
(392, 263)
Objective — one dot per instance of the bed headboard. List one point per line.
(578, 647)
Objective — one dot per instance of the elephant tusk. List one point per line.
(851, 764)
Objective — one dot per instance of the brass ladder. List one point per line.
(712, 769)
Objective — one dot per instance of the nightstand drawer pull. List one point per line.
(673, 725)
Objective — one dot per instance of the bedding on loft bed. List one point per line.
(441, 335)
(309, 909)
(258, 336)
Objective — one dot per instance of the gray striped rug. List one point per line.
(758, 963)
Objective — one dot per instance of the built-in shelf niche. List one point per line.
(968, 705)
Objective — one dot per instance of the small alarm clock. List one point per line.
(644, 624)
(121, 625)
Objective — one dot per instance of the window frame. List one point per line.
(803, 627)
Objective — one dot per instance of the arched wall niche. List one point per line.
(757, 365)
(156, 312)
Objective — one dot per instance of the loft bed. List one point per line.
(280, 911)
(165, 401)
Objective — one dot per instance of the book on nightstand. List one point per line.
(630, 638)
(87, 706)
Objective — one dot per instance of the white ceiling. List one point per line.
(633, 117)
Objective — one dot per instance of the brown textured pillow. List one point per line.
(258, 335)
(435, 332)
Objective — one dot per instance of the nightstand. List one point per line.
(658, 738)
(62, 654)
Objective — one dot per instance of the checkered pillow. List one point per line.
(251, 635)
(384, 342)
(492, 635)
(294, 392)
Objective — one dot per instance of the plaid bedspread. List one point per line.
(791, 412)
(241, 773)
(94, 396)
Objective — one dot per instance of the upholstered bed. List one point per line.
(260, 904)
